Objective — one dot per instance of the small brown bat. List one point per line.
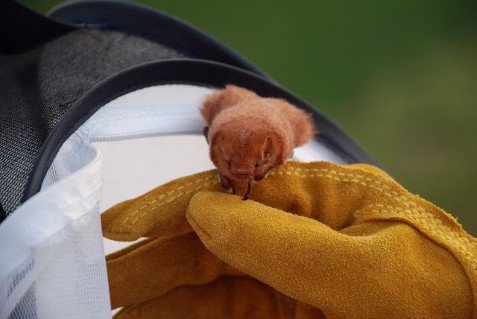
(250, 135)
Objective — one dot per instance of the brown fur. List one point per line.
(246, 129)
(222, 99)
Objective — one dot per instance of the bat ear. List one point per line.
(275, 146)
(268, 146)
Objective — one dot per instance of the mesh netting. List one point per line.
(52, 263)
(39, 85)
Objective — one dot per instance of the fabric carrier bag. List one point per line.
(100, 104)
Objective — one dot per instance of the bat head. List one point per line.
(246, 154)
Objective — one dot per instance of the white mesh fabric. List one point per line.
(52, 258)
(75, 281)
(33, 243)
(158, 110)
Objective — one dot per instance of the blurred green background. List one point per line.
(399, 76)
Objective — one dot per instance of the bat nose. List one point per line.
(242, 171)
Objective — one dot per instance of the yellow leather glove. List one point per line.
(316, 240)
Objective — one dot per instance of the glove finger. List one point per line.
(315, 264)
(227, 297)
(160, 210)
(155, 266)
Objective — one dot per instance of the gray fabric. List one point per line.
(38, 86)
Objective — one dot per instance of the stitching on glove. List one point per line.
(347, 177)
(141, 211)
(358, 179)
(435, 227)
(352, 177)
(405, 199)
(459, 244)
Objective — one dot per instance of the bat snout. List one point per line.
(242, 172)
(243, 176)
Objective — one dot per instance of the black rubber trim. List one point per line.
(150, 24)
(184, 71)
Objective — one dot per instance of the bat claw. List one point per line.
(249, 190)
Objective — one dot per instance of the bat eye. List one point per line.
(257, 164)
(229, 162)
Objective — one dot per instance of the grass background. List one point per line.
(399, 76)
